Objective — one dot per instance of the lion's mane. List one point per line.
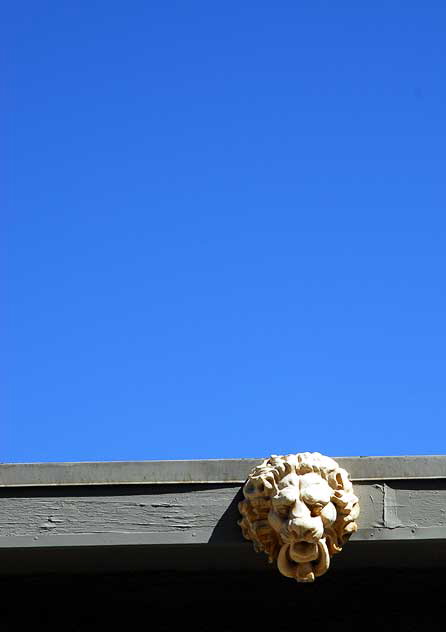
(263, 483)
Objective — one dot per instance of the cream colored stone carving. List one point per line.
(299, 509)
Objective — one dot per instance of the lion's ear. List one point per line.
(342, 479)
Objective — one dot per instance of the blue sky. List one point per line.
(225, 229)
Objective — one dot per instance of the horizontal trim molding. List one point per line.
(367, 468)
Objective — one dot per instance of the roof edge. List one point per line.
(203, 471)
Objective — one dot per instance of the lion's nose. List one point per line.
(303, 532)
(303, 526)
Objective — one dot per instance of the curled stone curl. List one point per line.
(299, 509)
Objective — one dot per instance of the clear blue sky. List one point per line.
(225, 229)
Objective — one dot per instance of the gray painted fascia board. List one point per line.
(204, 471)
(56, 514)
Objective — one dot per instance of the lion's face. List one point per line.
(299, 509)
(300, 512)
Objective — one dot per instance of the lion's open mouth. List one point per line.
(303, 551)
(303, 560)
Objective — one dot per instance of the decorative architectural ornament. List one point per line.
(300, 510)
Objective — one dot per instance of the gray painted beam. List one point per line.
(157, 515)
(183, 514)
(203, 471)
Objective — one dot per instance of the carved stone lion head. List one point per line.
(300, 510)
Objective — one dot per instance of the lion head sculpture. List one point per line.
(300, 510)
